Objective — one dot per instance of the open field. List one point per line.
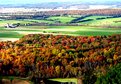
(95, 21)
(61, 19)
(57, 30)
(24, 21)
(49, 20)
(95, 17)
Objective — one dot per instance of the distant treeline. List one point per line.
(46, 14)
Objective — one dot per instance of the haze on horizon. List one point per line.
(4, 2)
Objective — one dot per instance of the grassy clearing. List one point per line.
(66, 19)
(95, 33)
(24, 21)
(10, 35)
(67, 30)
(75, 16)
(95, 17)
(65, 80)
(38, 21)
(50, 20)
(102, 22)
(62, 19)
(4, 22)
(86, 31)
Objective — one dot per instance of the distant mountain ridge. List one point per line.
(64, 5)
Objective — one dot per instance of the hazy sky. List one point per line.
(32, 1)
(40, 1)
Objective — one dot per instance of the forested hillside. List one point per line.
(49, 56)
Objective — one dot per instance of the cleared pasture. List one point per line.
(115, 22)
(63, 30)
(61, 19)
(95, 17)
(11, 34)
(38, 21)
(57, 30)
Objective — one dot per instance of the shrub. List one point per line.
(113, 76)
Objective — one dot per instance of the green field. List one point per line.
(37, 21)
(65, 30)
(61, 19)
(24, 21)
(95, 20)
(105, 26)
(11, 34)
(95, 17)
(114, 22)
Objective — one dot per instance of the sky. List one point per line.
(33, 1)
(41, 1)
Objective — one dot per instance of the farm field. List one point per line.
(99, 25)
(57, 30)
(61, 19)
(96, 17)
(49, 20)
(101, 21)
(88, 20)
(24, 21)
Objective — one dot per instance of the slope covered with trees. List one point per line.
(49, 56)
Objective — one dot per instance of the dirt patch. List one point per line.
(15, 81)
(79, 81)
